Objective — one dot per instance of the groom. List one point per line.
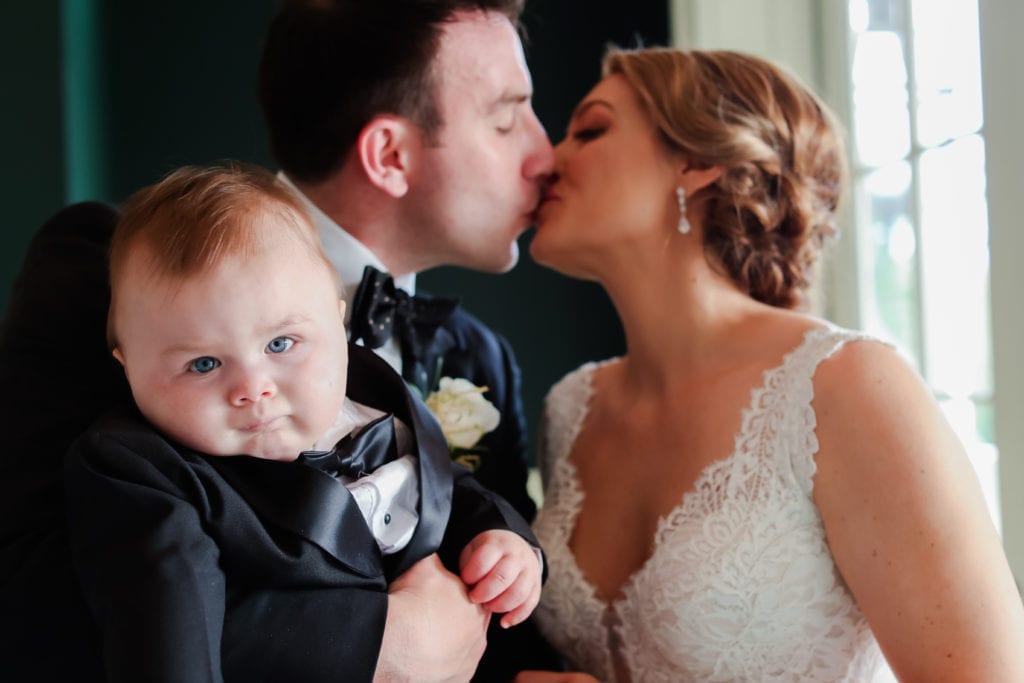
(422, 152)
(408, 128)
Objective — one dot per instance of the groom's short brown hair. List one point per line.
(330, 66)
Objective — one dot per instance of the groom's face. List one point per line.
(480, 176)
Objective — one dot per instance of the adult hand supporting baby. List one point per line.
(433, 632)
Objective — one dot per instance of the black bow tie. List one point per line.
(360, 452)
(380, 310)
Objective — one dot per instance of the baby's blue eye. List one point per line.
(203, 365)
(280, 344)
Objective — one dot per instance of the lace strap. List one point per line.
(565, 408)
(819, 344)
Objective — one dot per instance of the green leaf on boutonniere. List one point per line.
(469, 458)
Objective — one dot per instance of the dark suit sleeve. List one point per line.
(475, 510)
(59, 378)
(486, 359)
(148, 569)
(189, 583)
(303, 635)
(512, 650)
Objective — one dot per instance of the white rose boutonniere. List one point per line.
(465, 416)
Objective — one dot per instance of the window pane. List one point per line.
(877, 15)
(921, 211)
(892, 313)
(947, 69)
(881, 120)
(954, 250)
(985, 419)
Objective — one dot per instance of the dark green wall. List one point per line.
(31, 130)
(102, 97)
(182, 85)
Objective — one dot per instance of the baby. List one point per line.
(253, 481)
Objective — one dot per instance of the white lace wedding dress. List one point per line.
(741, 585)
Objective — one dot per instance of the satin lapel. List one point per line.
(308, 503)
(372, 381)
(434, 356)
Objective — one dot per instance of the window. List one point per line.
(920, 209)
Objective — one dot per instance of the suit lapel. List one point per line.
(371, 381)
(434, 357)
(308, 503)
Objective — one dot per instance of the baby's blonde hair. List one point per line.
(193, 218)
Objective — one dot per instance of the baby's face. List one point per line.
(247, 358)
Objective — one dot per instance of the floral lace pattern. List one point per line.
(741, 585)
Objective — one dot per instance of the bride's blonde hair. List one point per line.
(784, 167)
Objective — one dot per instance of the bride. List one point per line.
(750, 493)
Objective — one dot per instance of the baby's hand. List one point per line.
(503, 573)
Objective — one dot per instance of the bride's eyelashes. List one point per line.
(585, 134)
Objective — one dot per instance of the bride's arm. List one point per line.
(908, 526)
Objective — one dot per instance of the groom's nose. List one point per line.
(540, 157)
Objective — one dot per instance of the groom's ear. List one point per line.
(385, 149)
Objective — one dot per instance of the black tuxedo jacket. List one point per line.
(59, 378)
(265, 570)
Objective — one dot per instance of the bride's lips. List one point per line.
(547, 198)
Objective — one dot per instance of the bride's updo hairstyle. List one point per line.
(768, 216)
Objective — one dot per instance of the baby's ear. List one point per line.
(116, 353)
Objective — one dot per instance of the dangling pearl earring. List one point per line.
(684, 225)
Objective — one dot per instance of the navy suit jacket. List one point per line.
(486, 359)
(59, 377)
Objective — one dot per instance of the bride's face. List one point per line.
(613, 190)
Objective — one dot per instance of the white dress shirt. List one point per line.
(388, 496)
(349, 257)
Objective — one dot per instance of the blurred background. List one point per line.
(102, 97)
